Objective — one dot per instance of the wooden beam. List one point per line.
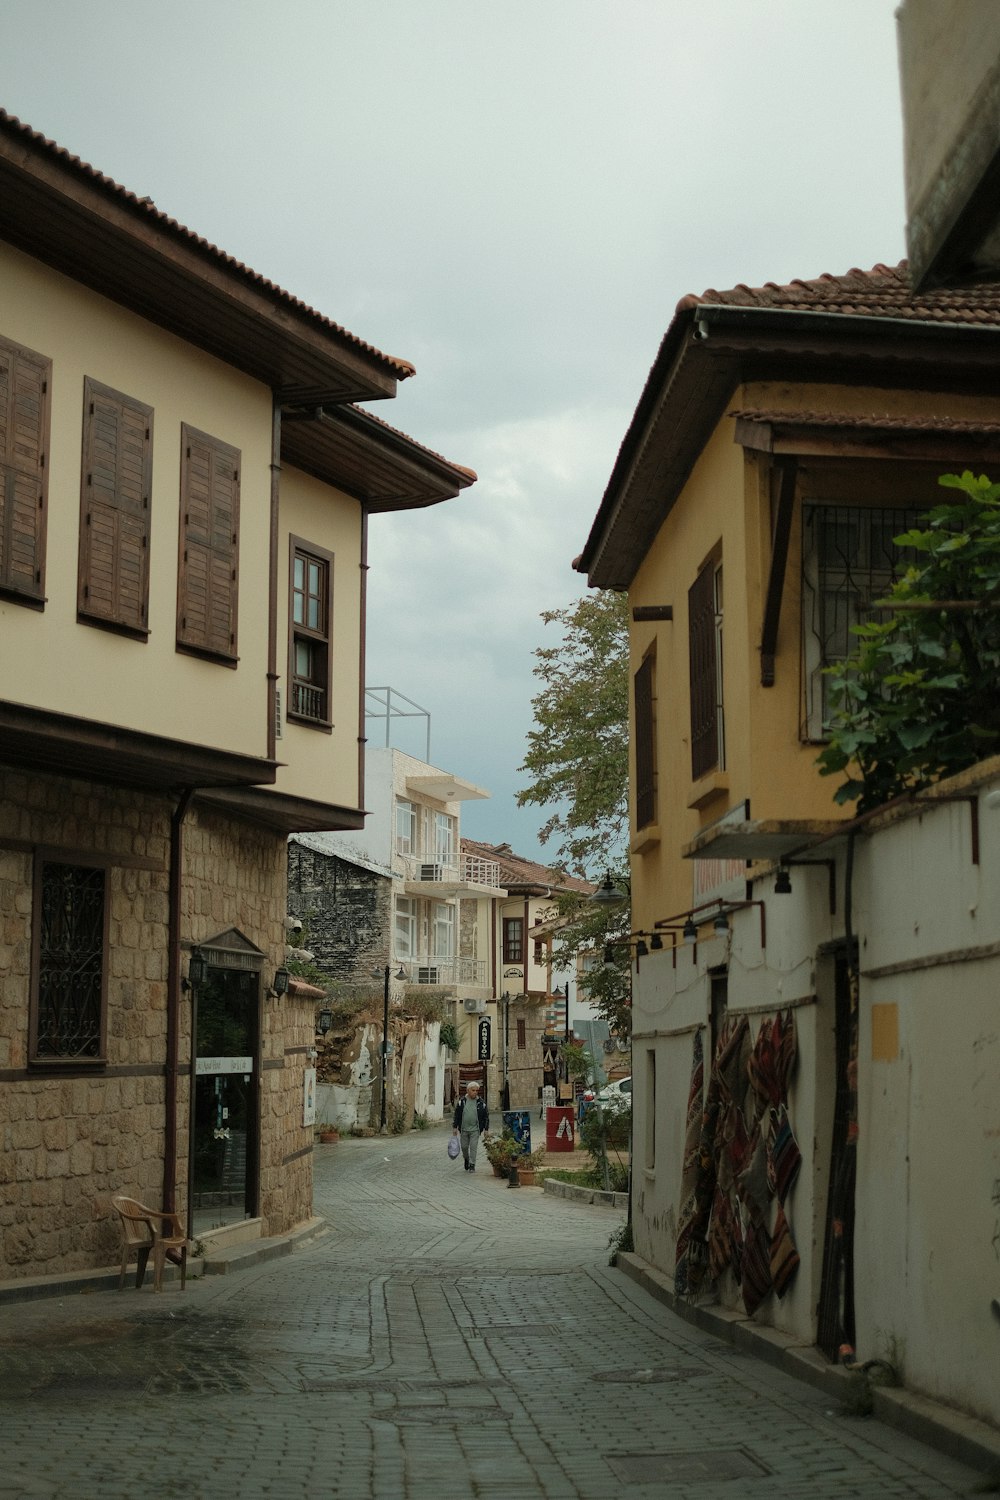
(652, 612)
(787, 469)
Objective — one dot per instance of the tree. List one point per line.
(917, 699)
(578, 750)
(578, 758)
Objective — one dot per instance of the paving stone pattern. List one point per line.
(446, 1337)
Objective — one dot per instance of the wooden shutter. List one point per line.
(208, 568)
(115, 508)
(24, 435)
(645, 745)
(704, 692)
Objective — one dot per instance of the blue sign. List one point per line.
(518, 1122)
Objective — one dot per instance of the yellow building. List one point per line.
(785, 435)
(185, 482)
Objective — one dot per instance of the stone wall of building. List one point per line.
(72, 1136)
(346, 911)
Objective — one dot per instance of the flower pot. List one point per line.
(329, 1137)
(499, 1171)
(527, 1176)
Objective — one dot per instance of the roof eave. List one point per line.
(63, 213)
(707, 351)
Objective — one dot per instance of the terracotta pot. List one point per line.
(329, 1137)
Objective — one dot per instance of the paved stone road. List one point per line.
(448, 1337)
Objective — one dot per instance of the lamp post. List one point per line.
(385, 972)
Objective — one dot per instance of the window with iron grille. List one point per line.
(69, 992)
(645, 742)
(849, 562)
(705, 655)
(310, 665)
(522, 1033)
(513, 940)
(24, 439)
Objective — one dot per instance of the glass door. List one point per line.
(224, 1142)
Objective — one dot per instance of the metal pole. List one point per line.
(385, 1049)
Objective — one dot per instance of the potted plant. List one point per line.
(502, 1151)
(527, 1165)
(328, 1134)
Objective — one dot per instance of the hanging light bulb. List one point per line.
(690, 933)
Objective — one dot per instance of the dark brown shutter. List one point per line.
(115, 508)
(701, 643)
(208, 571)
(24, 432)
(645, 745)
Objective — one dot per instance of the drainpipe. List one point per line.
(272, 584)
(363, 592)
(173, 1000)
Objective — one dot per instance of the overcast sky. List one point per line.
(513, 196)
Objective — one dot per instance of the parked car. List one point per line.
(617, 1095)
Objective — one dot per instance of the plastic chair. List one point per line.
(150, 1229)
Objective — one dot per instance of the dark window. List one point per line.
(67, 1023)
(24, 436)
(513, 940)
(208, 567)
(115, 509)
(704, 627)
(310, 655)
(522, 1033)
(645, 744)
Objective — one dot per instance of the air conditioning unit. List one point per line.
(474, 1007)
(431, 872)
(427, 975)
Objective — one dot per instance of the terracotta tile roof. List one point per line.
(516, 870)
(370, 416)
(872, 421)
(882, 292)
(401, 368)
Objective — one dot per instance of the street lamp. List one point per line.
(385, 972)
(608, 894)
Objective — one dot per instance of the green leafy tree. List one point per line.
(917, 699)
(578, 750)
(578, 761)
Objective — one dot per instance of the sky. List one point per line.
(514, 197)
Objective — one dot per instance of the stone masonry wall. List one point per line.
(72, 1137)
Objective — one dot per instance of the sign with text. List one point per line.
(485, 1035)
(210, 1065)
(309, 1097)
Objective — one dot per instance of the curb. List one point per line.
(105, 1279)
(960, 1437)
(557, 1189)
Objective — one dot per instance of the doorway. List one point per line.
(226, 1114)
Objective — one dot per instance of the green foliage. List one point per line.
(578, 1061)
(502, 1150)
(598, 930)
(620, 1242)
(578, 750)
(425, 1004)
(606, 1134)
(450, 1036)
(917, 699)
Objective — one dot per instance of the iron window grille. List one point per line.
(849, 562)
(68, 1022)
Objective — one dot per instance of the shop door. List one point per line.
(835, 1326)
(226, 1113)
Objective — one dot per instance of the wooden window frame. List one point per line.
(24, 479)
(513, 940)
(128, 519)
(45, 859)
(322, 640)
(704, 639)
(522, 1033)
(644, 692)
(215, 546)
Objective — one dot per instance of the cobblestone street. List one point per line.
(445, 1337)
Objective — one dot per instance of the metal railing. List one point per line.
(427, 968)
(451, 869)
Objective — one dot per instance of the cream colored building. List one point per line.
(813, 1025)
(185, 482)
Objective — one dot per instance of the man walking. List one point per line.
(471, 1119)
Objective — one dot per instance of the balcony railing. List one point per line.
(451, 869)
(425, 968)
